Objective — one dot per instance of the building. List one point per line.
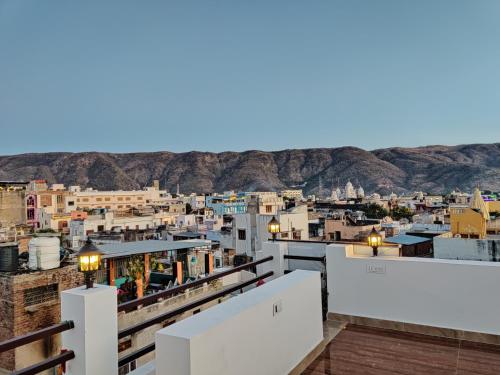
(30, 301)
(412, 246)
(470, 222)
(80, 228)
(116, 200)
(227, 204)
(268, 203)
(247, 232)
(295, 194)
(13, 203)
(350, 226)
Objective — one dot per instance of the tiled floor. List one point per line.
(359, 350)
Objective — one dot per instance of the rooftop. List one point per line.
(122, 249)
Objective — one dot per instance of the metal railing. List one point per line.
(189, 306)
(46, 364)
(182, 309)
(35, 336)
(147, 300)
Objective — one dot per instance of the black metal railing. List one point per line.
(46, 364)
(168, 315)
(147, 300)
(35, 336)
(304, 257)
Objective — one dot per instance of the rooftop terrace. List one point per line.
(386, 315)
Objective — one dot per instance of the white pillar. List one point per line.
(279, 264)
(95, 336)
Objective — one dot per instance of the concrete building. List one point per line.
(227, 204)
(249, 231)
(117, 200)
(12, 203)
(470, 221)
(268, 203)
(349, 227)
(79, 229)
(296, 194)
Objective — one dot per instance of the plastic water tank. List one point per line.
(9, 257)
(44, 253)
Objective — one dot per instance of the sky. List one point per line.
(124, 76)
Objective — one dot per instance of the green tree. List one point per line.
(398, 213)
(375, 211)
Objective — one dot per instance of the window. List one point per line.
(120, 206)
(71, 203)
(85, 199)
(100, 228)
(242, 234)
(120, 199)
(125, 369)
(269, 208)
(98, 199)
(127, 198)
(139, 198)
(59, 199)
(107, 199)
(41, 294)
(124, 345)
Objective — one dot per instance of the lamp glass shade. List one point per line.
(89, 257)
(273, 226)
(374, 238)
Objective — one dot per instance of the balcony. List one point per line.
(384, 315)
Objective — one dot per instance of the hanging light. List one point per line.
(273, 227)
(89, 260)
(374, 240)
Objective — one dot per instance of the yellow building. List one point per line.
(470, 222)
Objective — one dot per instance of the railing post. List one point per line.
(279, 264)
(94, 338)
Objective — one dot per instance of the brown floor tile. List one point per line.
(374, 351)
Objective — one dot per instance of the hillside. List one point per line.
(431, 168)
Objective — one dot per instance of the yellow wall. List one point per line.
(467, 222)
(493, 206)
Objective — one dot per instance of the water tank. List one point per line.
(44, 253)
(9, 256)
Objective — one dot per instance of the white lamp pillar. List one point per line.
(95, 336)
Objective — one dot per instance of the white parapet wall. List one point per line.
(267, 330)
(435, 292)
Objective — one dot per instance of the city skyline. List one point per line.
(118, 77)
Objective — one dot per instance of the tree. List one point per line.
(398, 213)
(375, 211)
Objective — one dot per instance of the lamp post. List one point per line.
(273, 227)
(374, 240)
(89, 260)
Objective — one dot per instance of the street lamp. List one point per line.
(89, 260)
(273, 227)
(374, 240)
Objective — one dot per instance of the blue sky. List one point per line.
(124, 76)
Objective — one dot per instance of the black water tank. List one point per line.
(9, 257)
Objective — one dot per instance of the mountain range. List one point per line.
(434, 169)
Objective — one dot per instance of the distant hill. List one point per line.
(431, 168)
